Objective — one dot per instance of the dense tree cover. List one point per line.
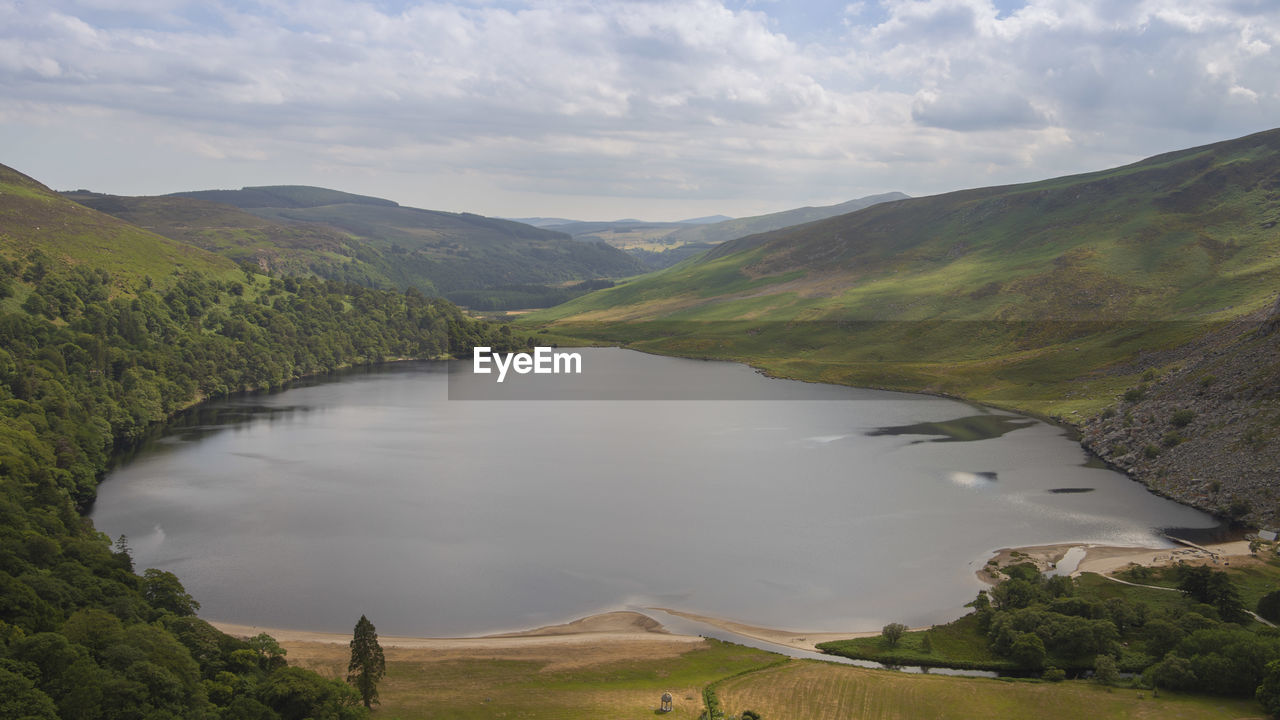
(1199, 644)
(84, 369)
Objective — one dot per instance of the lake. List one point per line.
(772, 502)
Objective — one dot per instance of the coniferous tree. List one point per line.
(367, 663)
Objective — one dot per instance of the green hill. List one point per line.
(285, 248)
(284, 196)
(463, 256)
(35, 219)
(1053, 297)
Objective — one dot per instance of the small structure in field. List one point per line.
(666, 703)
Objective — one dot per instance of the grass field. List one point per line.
(807, 690)
(1253, 578)
(565, 684)
(956, 644)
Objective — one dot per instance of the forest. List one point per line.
(89, 362)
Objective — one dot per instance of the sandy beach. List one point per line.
(588, 641)
(796, 639)
(1107, 559)
(620, 634)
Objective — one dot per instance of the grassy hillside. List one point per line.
(1054, 297)
(285, 248)
(34, 219)
(284, 196)
(471, 258)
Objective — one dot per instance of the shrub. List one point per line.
(1053, 674)
(1183, 417)
(1105, 670)
(1133, 395)
(1150, 452)
(1171, 439)
(1269, 606)
(893, 632)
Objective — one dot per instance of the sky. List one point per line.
(629, 108)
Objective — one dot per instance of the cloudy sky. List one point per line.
(627, 108)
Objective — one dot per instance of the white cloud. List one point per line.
(683, 105)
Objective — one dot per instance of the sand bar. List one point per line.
(603, 638)
(796, 639)
(602, 628)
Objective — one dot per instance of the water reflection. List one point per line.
(965, 429)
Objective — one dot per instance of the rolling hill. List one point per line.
(35, 219)
(1054, 297)
(285, 248)
(472, 259)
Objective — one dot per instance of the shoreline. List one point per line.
(626, 633)
(609, 627)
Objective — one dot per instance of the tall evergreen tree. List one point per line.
(367, 663)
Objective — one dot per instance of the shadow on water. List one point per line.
(1224, 531)
(1070, 490)
(965, 429)
(233, 409)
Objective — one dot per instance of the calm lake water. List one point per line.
(810, 507)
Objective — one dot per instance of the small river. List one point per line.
(772, 502)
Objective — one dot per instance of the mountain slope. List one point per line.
(34, 218)
(1054, 297)
(1185, 235)
(286, 248)
(301, 230)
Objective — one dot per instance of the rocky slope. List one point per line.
(1204, 428)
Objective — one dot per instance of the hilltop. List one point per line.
(1053, 297)
(36, 221)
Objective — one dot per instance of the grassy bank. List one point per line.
(598, 681)
(806, 690)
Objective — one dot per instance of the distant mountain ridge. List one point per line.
(734, 228)
(663, 244)
(283, 196)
